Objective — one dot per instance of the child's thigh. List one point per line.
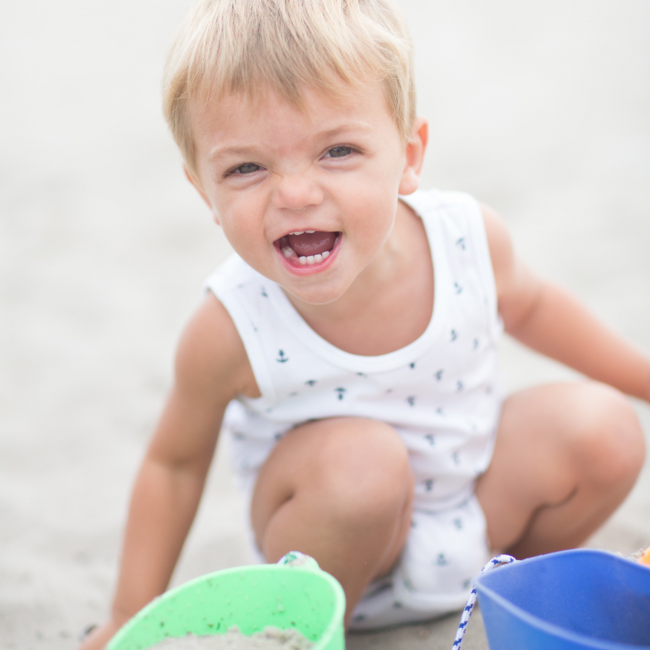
(554, 441)
(348, 468)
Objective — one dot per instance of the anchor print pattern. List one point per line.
(439, 383)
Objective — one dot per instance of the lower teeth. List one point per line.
(308, 260)
(313, 259)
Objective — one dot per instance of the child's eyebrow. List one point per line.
(344, 130)
(326, 134)
(224, 152)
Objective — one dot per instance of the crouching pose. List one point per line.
(349, 346)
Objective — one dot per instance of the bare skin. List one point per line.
(566, 455)
(339, 490)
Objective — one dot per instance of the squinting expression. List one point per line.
(307, 198)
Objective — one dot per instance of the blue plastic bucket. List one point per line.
(567, 601)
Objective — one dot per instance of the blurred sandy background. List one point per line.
(540, 109)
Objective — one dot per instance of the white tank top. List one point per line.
(439, 392)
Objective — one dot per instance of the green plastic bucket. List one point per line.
(291, 595)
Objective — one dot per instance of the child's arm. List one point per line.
(551, 321)
(211, 368)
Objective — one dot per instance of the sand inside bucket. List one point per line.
(270, 638)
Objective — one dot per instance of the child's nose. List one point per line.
(297, 192)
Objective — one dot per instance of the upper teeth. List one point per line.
(302, 232)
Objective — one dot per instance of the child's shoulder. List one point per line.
(211, 359)
(456, 219)
(452, 209)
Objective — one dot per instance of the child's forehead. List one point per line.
(310, 107)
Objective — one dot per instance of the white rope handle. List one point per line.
(499, 560)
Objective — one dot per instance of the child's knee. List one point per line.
(609, 442)
(363, 471)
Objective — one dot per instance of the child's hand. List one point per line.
(100, 636)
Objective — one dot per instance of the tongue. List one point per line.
(312, 243)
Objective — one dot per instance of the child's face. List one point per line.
(308, 199)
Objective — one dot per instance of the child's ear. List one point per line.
(199, 188)
(415, 148)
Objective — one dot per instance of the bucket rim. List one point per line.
(544, 626)
(335, 620)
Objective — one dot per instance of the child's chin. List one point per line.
(315, 296)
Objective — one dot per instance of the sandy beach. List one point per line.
(541, 110)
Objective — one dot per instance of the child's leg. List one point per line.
(565, 458)
(339, 490)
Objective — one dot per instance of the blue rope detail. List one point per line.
(471, 601)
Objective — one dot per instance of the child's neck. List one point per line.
(390, 303)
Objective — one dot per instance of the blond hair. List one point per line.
(248, 46)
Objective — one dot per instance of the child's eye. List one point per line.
(339, 152)
(246, 168)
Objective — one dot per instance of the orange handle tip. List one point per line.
(645, 558)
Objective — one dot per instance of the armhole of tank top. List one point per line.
(248, 335)
(484, 264)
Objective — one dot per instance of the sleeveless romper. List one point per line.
(440, 393)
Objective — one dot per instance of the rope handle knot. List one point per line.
(495, 562)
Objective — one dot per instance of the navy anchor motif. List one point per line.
(282, 357)
(340, 392)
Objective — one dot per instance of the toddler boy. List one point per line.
(350, 345)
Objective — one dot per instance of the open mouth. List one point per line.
(308, 247)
